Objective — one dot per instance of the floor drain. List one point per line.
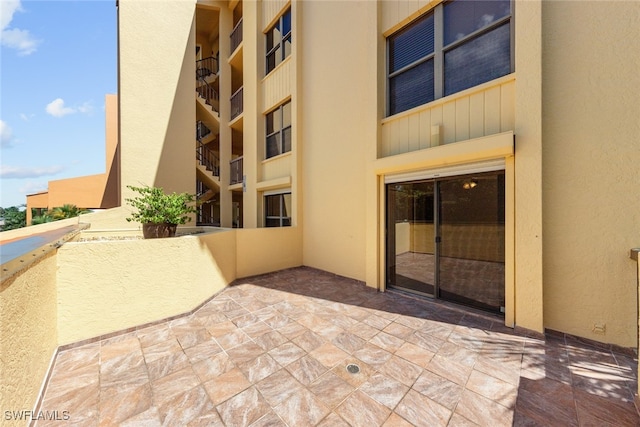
(353, 369)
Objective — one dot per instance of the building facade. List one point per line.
(478, 152)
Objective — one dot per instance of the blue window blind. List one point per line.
(479, 60)
(475, 38)
(411, 44)
(462, 18)
(411, 88)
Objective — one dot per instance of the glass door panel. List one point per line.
(411, 236)
(471, 248)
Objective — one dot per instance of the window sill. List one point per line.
(277, 67)
(274, 158)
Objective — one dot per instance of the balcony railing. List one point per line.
(236, 171)
(236, 36)
(208, 158)
(206, 67)
(201, 130)
(207, 215)
(236, 104)
(209, 94)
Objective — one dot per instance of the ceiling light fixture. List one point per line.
(467, 185)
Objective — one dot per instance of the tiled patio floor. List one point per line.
(273, 351)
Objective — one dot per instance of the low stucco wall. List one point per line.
(90, 288)
(28, 334)
(107, 286)
(19, 233)
(112, 285)
(263, 250)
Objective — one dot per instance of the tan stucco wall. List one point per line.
(591, 167)
(83, 191)
(106, 286)
(87, 289)
(339, 122)
(111, 196)
(18, 233)
(262, 250)
(111, 285)
(528, 168)
(39, 200)
(28, 334)
(156, 93)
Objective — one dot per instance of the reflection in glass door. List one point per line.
(445, 238)
(471, 230)
(410, 236)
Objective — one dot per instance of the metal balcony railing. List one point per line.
(206, 67)
(236, 104)
(236, 36)
(201, 130)
(208, 158)
(209, 94)
(236, 171)
(207, 215)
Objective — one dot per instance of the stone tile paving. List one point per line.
(273, 351)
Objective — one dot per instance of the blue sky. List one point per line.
(57, 62)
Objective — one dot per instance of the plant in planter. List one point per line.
(160, 213)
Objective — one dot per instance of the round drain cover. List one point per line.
(353, 369)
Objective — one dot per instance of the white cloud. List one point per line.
(7, 172)
(15, 38)
(57, 109)
(20, 40)
(26, 117)
(6, 134)
(86, 108)
(7, 9)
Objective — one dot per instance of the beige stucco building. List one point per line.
(484, 153)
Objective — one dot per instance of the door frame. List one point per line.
(506, 163)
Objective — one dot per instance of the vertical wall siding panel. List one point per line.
(462, 118)
(393, 137)
(383, 149)
(449, 122)
(396, 11)
(492, 111)
(403, 135)
(436, 119)
(414, 132)
(403, 9)
(476, 115)
(425, 129)
(277, 86)
(271, 9)
(507, 107)
(390, 13)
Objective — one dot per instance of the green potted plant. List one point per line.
(160, 213)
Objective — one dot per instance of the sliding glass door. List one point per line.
(410, 235)
(445, 238)
(471, 261)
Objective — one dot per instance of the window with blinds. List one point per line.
(457, 45)
(279, 41)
